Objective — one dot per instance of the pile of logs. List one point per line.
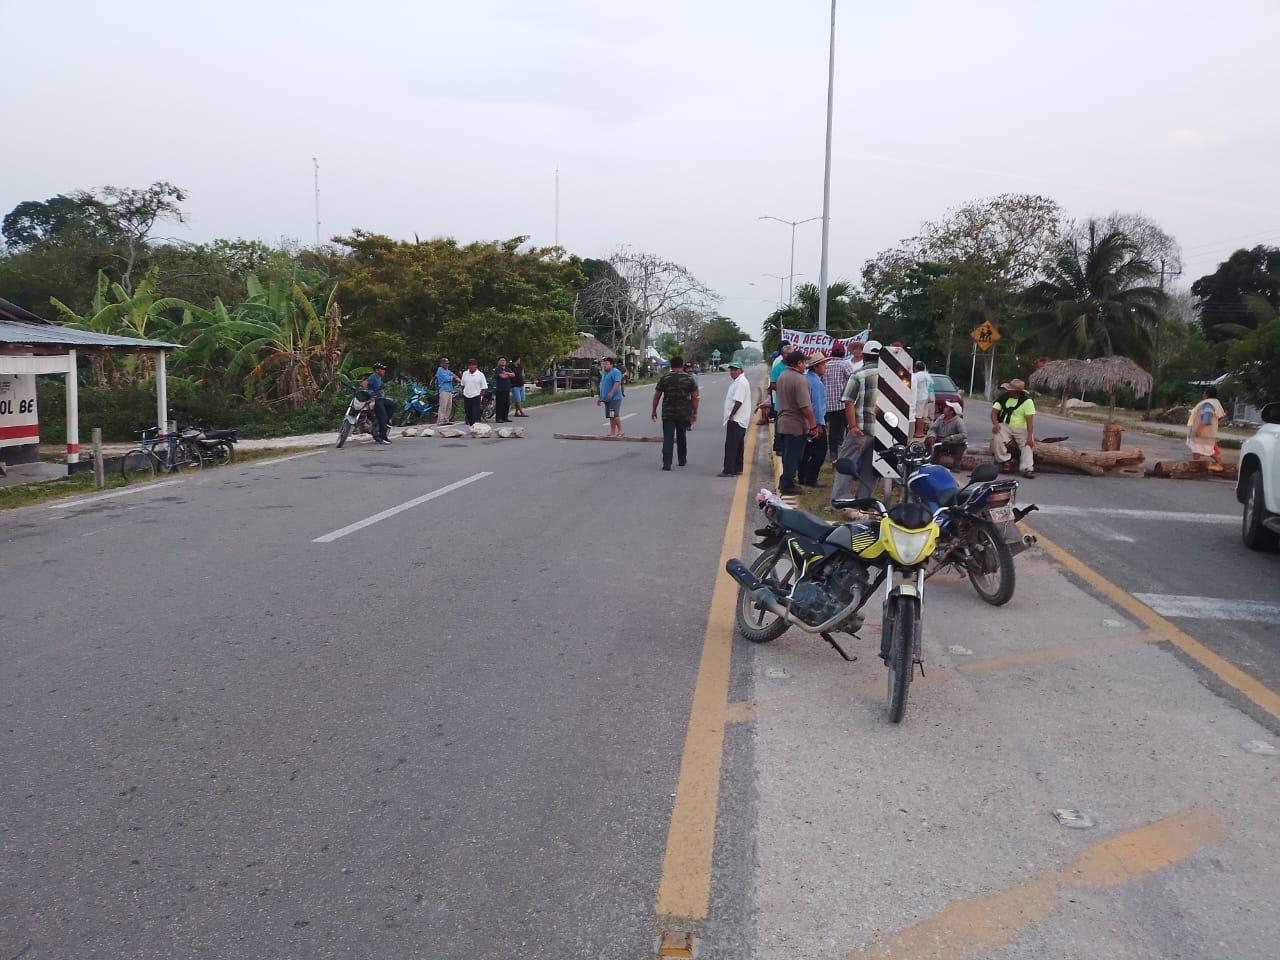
(1096, 463)
(1055, 458)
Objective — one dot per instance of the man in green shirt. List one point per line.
(679, 395)
(1014, 418)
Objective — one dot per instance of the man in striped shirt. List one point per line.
(860, 417)
(834, 379)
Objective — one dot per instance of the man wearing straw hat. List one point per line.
(1013, 418)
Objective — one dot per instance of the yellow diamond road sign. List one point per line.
(985, 335)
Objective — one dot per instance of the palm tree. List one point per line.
(1096, 300)
(802, 313)
(115, 310)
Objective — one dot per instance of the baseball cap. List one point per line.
(734, 365)
(871, 347)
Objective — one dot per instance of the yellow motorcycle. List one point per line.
(818, 575)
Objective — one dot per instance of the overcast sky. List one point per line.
(675, 123)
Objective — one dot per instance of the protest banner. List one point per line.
(817, 342)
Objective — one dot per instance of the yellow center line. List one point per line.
(1229, 673)
(684, 889)
(969, 928)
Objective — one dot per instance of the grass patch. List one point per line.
(541, 399)
(81, 484)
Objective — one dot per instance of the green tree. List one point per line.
(1254, 358)
(1096, 299)
(720, 333)
(413, 302)
(1221, 295)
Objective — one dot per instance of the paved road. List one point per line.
(1173, 543)
(459, 731)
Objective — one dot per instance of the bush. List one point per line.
(122, 411)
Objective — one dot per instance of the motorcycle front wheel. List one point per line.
(990, 564)
(902, 623)
(755, 623)
(344, 431)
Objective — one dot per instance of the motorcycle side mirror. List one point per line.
(984, 472)
(844, 466)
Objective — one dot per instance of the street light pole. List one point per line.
(826, 178)
(792, 224)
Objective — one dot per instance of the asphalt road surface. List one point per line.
(458, 699)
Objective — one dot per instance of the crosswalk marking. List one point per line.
(1211, 608)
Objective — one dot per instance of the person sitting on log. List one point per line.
(1013, 419)
(947, 436)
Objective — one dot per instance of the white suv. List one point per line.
(1259, 485)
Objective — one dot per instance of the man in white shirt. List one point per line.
(922, 398)
(474, 385)
(737, 417)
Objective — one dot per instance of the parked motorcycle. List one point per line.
(817, 576)
(978, 523)
(421, 404)
(214, 446)
(359, 418)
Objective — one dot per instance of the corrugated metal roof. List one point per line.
(55, 335)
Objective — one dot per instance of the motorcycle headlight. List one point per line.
(909, 547)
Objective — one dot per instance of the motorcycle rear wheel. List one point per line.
(901, 655)
(223, 453)
(990, 566)
(344, 431)
(755, 623)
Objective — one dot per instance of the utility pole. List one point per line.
(316, 163)
(557, 204)
(1155, 365)
(826, 178)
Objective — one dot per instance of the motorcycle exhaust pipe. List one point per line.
(763, 595)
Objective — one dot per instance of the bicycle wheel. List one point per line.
(902, 622)
(186, 457)
(137, 465)
(755, 623)
(990, 564)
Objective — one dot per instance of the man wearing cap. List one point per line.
(815, 448)
(946, 435)
(1013, 418)
(837, 374)
(445, 380)
(860, 417)
(737, 417)
(381, 405)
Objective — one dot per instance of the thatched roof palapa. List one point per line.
(1103, 373)
(589, 348)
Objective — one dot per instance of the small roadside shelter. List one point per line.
(31, 345)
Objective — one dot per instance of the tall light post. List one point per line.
(826, 178)
(793, 224)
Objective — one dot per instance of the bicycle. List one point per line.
(159, 453)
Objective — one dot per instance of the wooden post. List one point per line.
(99, 471)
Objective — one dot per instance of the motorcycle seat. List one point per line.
(219, 435)
(804, 523)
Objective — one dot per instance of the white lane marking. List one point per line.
(1104, 532)
(626, 416)
(392, 511)
(1211, 608)
(68, 504)
(1165, 515)
(292, 456)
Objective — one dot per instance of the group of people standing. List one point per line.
(508, 389)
